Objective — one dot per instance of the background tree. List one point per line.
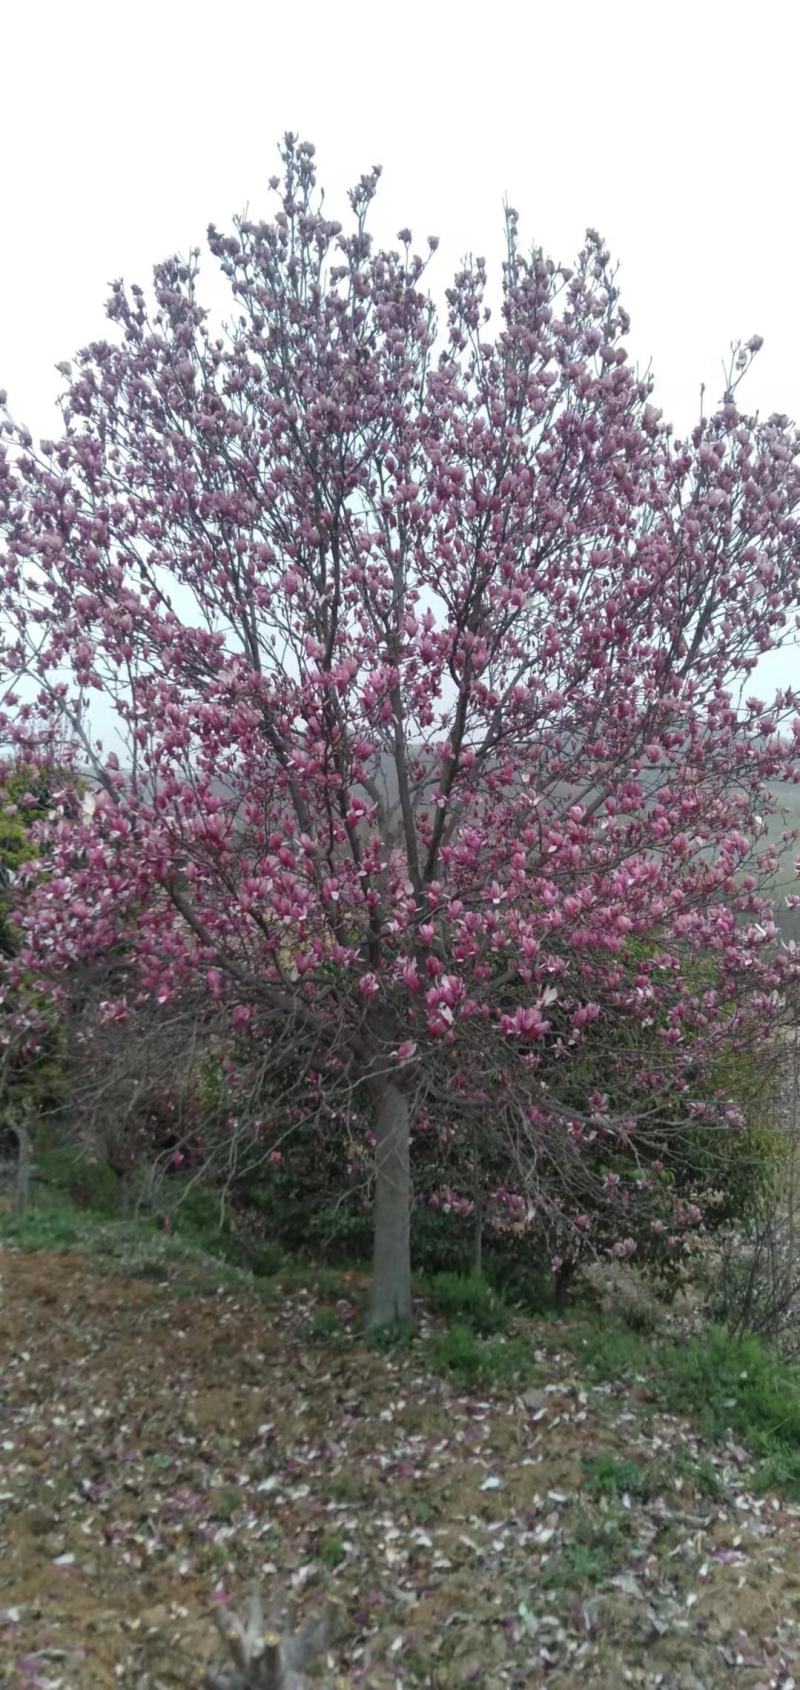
(429, 649)
(33, 799)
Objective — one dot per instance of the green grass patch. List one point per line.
(325, 1282)
(332, 1552)
(52, 1223)
(482, 1362)
(736, 1384)
(613, 1476)
(699, 1472)
(467, 1299)
(398, 1335)
(599, 1547)
(610, 1352)
(780, 1471)
(727, 1385)
(136, 1249)
(581, 1564)
(325, 1327)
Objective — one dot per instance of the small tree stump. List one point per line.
(274, 1656)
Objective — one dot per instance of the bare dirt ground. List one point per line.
(167, 1445)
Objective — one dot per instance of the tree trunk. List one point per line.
(477, 1260)
(563, 1279)
(23, 1187)
(391, 1286)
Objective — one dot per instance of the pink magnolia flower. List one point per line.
(524, 1023)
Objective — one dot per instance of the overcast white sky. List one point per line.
(672, 128)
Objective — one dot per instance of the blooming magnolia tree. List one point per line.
(428, 644)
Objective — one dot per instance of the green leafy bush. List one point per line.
(87, 1183)
(514, 1265)
(203, 1213)
(206, 1219)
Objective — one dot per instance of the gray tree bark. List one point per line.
(23, 1185)
(391, 1284)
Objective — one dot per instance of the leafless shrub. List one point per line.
(624, 1295)
(757, 1286)
(133, 1084)
(756, 1279)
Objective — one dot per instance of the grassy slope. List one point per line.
(530, 1500)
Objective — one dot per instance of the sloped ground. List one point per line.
(167, 1444)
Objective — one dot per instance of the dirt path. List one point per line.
(164, 1450)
